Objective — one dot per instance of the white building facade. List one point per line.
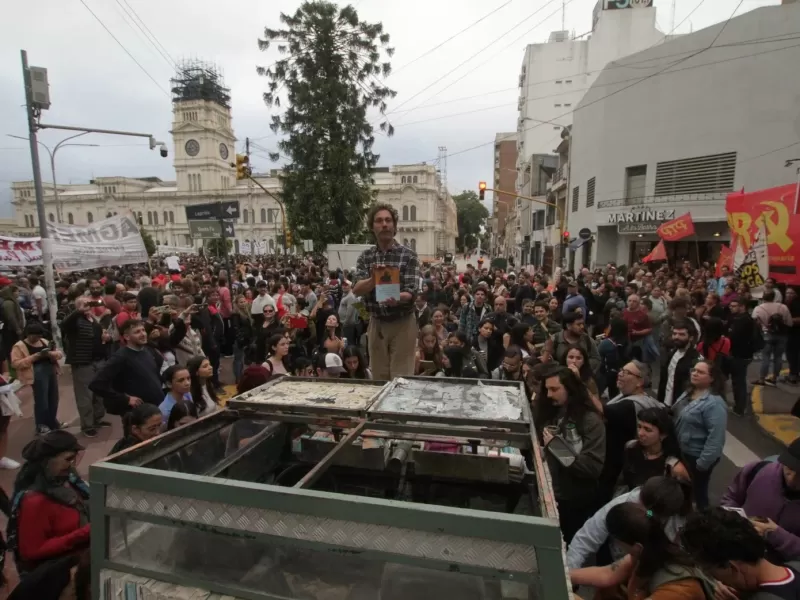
(204, 148)
(556, 75)
(697, 122)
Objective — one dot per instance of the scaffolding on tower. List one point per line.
(198, 80)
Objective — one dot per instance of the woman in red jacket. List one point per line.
(50, 505)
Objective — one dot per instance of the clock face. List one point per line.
(192, 147)
(223, 151)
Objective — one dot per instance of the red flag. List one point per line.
(725, 260)
(658, 253)
(677, 229)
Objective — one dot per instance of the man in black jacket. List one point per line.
(87, 347)
(133, 373)
(677, 368)
(742, 333)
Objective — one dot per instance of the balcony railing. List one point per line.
(656, 200)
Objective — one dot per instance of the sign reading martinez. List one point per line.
(639, 216)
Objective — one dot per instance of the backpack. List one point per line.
(670, 574)
(776, 325)
(610, 364)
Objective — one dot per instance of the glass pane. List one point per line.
(292, 572)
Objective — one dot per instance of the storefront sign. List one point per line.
(617, 4)
(638, 226)
(640, 216)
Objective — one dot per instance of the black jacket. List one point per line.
(682, 373)
(129, 373)
(741, 332)
(84, 339)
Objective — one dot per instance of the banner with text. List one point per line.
(751, 264)
(110, 242)
(677, 229)
(774, 207)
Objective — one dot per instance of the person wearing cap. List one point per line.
(574, 300)
(50, 503)
(769, 494)
(328, 365)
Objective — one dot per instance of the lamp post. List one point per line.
(52, 153)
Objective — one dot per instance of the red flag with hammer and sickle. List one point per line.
(677, 229)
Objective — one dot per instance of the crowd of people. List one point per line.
(626, 371)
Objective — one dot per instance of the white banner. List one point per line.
(169, 250)
(261, 247)
(244, 247)
(110, 242)
(751, 265)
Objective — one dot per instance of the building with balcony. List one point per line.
(504, 178)
(707, 113)
(532, 243)
(555, 75)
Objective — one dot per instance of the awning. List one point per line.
(577, 243)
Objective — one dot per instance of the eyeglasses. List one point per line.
(268, 311)
(629, 372)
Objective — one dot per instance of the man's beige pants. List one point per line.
(392, 345)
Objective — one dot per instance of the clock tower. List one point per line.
(201, 129)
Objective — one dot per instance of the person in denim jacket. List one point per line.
(701, 418)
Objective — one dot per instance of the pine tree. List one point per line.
(149, 244)
(331, 71)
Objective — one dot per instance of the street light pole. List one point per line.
(47, 250)
(52, 154)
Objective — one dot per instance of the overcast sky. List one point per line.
(94, 83)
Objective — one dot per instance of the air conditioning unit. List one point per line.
(40, 89)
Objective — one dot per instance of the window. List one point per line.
(575, 196)
(50, 217)
(413, 244)
(590, 193)
(246, 215)
(557, 127)
(415, 179)
(199, 183)
(559, 81)
(635, 180)
(166, 217)
(413, 213)
(155, 217)
(272, 245)
(70, 219)
(405, 242)
(403, 179)
(550, 216)
(253, 216)
(269, 216)
(568, 105)
(568, 81)
(90, 217)
(556, 105)
(405, 213)
(712, 174)
(263, 215)
(171, 217)
(27, 221)
(149, 217)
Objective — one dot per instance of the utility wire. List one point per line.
(452, 83)
(146, 36)
(657, 73)
(152, 35)
(121, 45)
(462, 63)
(452, 37)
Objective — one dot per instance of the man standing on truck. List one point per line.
(387, 276)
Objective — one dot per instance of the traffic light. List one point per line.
(242, 166)
(481, 189)
(565, 237)
(288, 239)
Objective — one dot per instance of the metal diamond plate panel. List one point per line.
(352, 534)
